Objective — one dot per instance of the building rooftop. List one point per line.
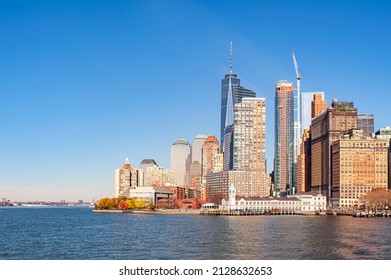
(181, 141)
(148, 162)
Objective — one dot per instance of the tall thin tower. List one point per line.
(227, 101)
(297, 124)
(284, 138)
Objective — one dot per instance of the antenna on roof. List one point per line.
(230, 58)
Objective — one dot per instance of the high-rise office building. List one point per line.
(366, 123)
(180, 161)
(249, 145)
(284, 138)
(327, 127)
(196, 148)
(196, 159)
(359, 164)
(231, 94)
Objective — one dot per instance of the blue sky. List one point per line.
(84, 84)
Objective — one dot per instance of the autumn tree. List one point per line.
(140, 204)
(102, 203)
(378, 198)
(123, 204)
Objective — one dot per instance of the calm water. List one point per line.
(77, 233)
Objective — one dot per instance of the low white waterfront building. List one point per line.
(151, 193)
(297, 203)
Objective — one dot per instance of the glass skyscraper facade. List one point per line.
(366, 123)
(231, 94)
(284, 137)
(227, 84)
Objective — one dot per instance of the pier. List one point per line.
(216, 212)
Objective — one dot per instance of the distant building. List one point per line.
(180, 162)
(366, 123)
(327, 127)
(195, 175)
(311, 103)
(196, 159)
(318, 104)
(359, 164)
(196, 148)
(284, 137)
(126, 178)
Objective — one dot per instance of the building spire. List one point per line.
(230, 58)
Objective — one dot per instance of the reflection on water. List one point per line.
(77, 233)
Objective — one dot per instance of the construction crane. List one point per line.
(297, 125)
(298, 77)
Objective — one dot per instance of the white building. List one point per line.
(298, 203)
(158, 176)
(196, 148)
(180, 162)
(151, 194)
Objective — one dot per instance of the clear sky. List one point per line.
(85, 84)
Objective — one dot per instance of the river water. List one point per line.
(79, 234)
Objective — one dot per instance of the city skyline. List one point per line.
(85, 85)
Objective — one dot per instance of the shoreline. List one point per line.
(150, 212)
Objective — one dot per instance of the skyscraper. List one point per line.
(196, 148)
(231, 94)
(366, 123)
(249, 145)
(227, 101)
(196, 159)
(284, 137)
(180, 161)
(327, 127)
